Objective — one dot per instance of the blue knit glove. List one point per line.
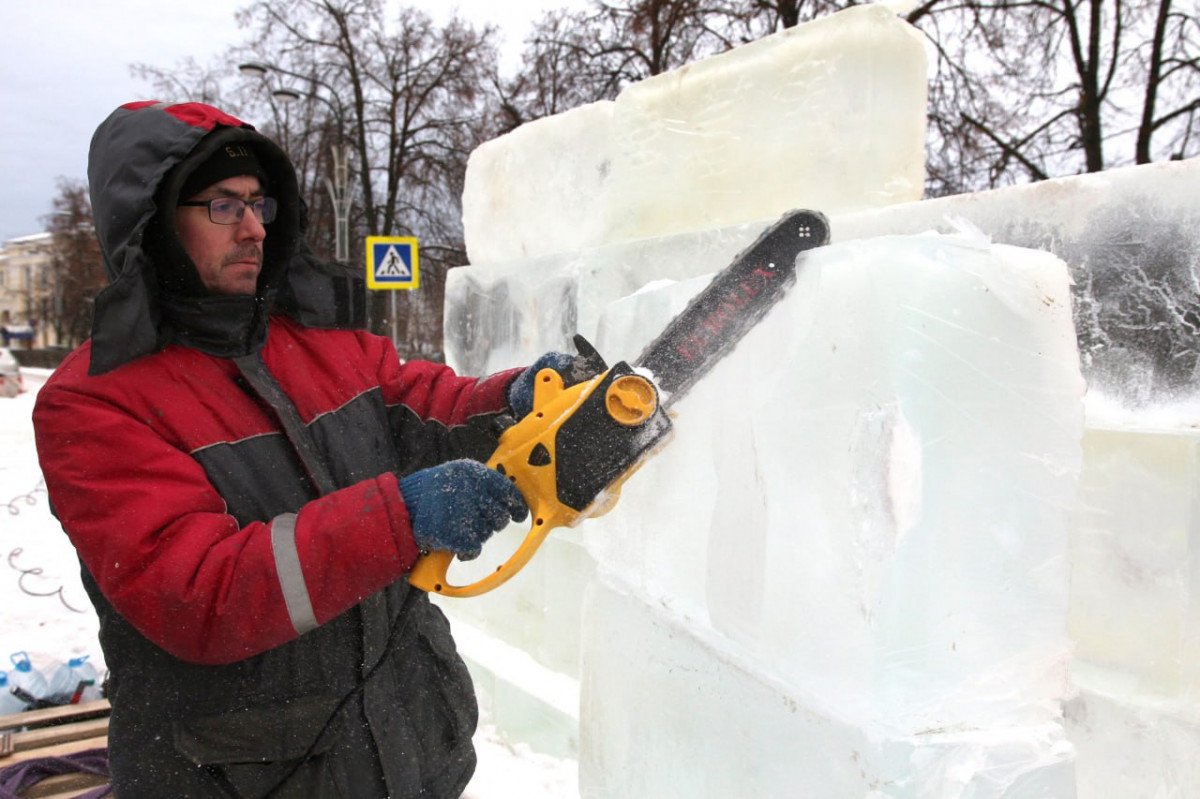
(458, 505)
(520, 391)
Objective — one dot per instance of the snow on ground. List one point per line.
(45, 612)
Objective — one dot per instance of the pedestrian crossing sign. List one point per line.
(392, 262)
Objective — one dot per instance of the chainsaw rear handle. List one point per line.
(568, 458)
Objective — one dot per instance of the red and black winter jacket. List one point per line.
(228, 474)
(239, 600)
(170, 473)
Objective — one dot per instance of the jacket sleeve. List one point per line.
(437, 415)
(435, 393)
(156, 537)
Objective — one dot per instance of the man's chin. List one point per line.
(237, 281)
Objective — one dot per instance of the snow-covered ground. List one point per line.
(46, 613)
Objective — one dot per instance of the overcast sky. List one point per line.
(65, 64)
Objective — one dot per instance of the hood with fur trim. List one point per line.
(140, 158)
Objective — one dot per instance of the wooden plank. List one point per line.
(69, 794)
(52, 715)
(63, 785)
(61, 733)
(58, 732)
(57, 750)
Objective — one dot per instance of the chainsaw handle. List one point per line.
(430, 572)
(610, 422)
(553, 404)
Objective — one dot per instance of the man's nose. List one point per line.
(249, 228)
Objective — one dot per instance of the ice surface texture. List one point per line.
(793, 120)
(883, 556)
(867, 506)
(1132, 240)
(860, 508)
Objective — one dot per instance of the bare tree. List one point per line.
(1023, 89)
(758, 18)
(407, 98)
(1172, 68)
(1031, 89)
(579, 57)
(76, 269)
(188, 80)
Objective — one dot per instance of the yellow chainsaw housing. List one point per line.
(568, 458)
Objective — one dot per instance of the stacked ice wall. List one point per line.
(794, 118)
(1130, 238)
(862, 566)
(849, 570)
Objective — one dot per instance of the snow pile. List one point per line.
(46, 611)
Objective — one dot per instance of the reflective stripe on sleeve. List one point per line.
(291, 578)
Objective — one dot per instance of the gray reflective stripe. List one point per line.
(291, 578)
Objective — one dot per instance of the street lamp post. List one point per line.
(342, 201)
(340, 196)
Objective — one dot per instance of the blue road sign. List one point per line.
(392, 262)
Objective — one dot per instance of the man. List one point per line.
(247, 481)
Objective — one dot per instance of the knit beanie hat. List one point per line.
(226, 162)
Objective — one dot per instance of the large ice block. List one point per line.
(1136, 557)
(866, 508)
(507, 314)
(790, 120)
(672, 712)
(1132, 240)
(535, 190)
(913, 403)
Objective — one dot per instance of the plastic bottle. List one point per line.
(72, 682)
(25, 677)
(9, 702)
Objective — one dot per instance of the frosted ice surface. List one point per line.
(791, 120)
(1132, 743)
(507, 314)
(788, 121)
(671, 713)
(1133, 556)
(1132, 240)
(866, 508)
(667, 718)
(911, 400)
(535, 190)
(538, 610)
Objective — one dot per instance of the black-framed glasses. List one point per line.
(230, 210)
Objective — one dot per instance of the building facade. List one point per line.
(27, 292)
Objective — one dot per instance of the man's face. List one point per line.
(228, 257)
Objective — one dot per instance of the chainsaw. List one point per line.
(585, 436)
